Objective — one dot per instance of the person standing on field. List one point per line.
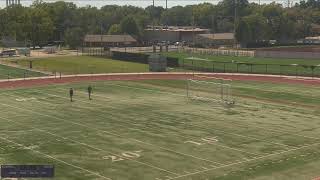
(71, 94)
(89, 92)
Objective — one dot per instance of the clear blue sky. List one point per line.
(140, 3)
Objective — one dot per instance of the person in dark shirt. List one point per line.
(89, 92)
(71, 94)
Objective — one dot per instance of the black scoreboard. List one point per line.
(27, 171)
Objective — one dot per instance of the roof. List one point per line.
(177, 28)
(218, 36)
(313, 38)
(109, 38)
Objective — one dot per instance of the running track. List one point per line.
(38, 81)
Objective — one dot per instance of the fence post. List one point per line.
(24, 75)
(8, 76)
(251, 67)
(224, 67)
(237, 68)
(266, 68)
(212, 66)
(183, 63)
(60, 74)
(192, 65)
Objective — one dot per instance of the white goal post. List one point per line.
(210, 90)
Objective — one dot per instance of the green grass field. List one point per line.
(84, 65)
(229, 64)
(12, 72)
(150, 130)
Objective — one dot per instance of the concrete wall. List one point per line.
(288, 54)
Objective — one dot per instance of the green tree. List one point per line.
(41, 27)
(129, 26)
(73, 37)
(115, 29)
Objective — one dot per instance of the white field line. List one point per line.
(5, 131)
(241, 162)
(51, 157)
(192, 124)
(270, 142)
(90, 146)
(108, 132)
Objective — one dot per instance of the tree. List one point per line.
(129, 26)
(115, 29)
(243, 33)
(73, 37)
(41, 27)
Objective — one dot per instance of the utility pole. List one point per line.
(101, 36)
(166, 4)
(235, 20)
(153, 16)
(153, 32)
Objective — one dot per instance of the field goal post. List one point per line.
(211, 89)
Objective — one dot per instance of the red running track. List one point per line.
(40, 81)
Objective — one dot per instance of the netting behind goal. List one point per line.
(211, 91)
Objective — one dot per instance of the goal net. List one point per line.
(212, 90)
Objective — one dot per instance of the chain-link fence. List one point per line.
(250, 68)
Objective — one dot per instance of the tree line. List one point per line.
(64, 21)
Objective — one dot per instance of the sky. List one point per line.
(140, 3)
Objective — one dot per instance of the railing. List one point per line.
(250, 68)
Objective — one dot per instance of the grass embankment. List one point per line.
(84, 65)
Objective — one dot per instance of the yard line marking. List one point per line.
(84, 144)
(51, 157)
(114, 134)
(108, 132)
(192, 124)
(232, 164)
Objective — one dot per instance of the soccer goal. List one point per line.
(210, 91)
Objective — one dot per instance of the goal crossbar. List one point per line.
(208, 90)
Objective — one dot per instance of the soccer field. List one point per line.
(142, 130)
